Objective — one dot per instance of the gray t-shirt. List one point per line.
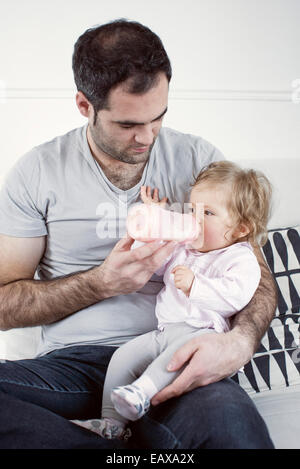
(58, 190)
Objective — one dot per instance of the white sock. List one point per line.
(145, 383)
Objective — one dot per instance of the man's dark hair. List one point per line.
(107, 55)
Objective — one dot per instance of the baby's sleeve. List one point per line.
(230, 291)
(164, 266)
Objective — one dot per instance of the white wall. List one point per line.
(234, 62)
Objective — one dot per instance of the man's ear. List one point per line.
(84, 106)
(241, 231)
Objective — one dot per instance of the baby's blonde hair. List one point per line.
(249, 198)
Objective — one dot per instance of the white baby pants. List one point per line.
(150, 354)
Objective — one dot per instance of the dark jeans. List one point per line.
(38, 397)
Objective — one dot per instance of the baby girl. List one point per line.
(207, 281)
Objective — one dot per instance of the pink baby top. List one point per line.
(225, 281)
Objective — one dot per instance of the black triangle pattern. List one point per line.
(261, 348)
(281, 248)
(294, 238)
(249, 372)
(268, 252)
(288, 337)
(267, 249)
(274, 342)
(284, 240)
(280, 343)
(280, 358)
(295, 356)
(269, 372)
(295, 299)
(236, 378)
(263, 365)
(282, 306)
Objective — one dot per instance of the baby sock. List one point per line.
(146, 384)
(107, 428)
(133, 401)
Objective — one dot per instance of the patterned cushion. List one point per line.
(277, 361)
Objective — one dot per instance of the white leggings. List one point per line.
(146, 354)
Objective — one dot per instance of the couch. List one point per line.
(272, 377)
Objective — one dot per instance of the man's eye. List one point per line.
(208, 212)
(126, 126)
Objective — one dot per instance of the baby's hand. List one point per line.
(183, 278)
(147, 198)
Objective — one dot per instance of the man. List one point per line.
(66, 264)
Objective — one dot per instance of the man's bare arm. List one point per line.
(27, 302)
(253, 321)
(34, 302)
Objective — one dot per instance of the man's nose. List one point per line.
(144, 135)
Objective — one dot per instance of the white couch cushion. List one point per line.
(19, 343)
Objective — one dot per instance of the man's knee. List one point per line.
(237, 426)
(232, 418)
(220, 415)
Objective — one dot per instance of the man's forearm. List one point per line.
(253, 321)
(34, 302)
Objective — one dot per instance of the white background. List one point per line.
(234, 62)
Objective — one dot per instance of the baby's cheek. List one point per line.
(213, 234)
(209, 232)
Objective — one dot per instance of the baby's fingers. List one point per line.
(144, 194)
(164, 201)
(155, 195)
(178, 268)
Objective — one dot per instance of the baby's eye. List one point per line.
(208, 213)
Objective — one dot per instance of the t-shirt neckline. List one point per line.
(115, 191)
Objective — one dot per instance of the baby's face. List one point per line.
(217, 224)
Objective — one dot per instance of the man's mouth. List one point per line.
(141, 149)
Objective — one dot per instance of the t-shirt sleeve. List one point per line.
(19, 213)
(202, 152)
(209, 153)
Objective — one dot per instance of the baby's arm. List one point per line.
(183, 278)
(230, 292)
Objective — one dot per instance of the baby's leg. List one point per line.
(126, 364)
(133, 401)
(172, 338)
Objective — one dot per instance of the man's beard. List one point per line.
(125, 155)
